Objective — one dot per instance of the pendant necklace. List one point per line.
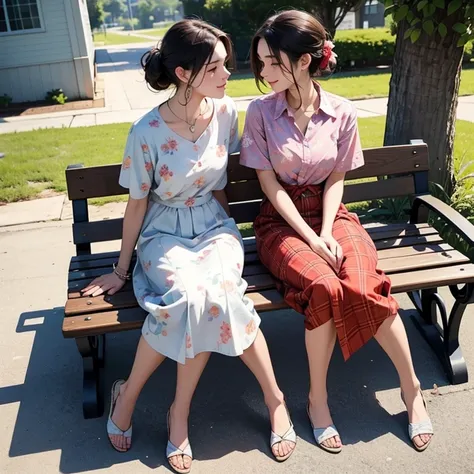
(191, 125)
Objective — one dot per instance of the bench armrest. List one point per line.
(459, 222)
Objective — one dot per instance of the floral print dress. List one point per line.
(190, 255)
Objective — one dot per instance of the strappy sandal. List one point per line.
(112, 428)
(172, 450)
(323, 434)
(290, 436)
(424, 427)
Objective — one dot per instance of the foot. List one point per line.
(280, 423)
(416, 412)
(178, 435)
(122, 417)
(321, 418)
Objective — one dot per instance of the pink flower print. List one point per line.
(204, 254)
(195, 147)
(148, 165)
(173, 144)
(145, 148)
(126, 163)
(222, 109)
(164, 314)
(239, 266)
(226, 333)
(221, 151)
(145, 187)
(147, 265)
(190, 202)
(154, 123)
(164, 332)
(168, 194)
(170, 146)
(188, 342)
(199, 164)
(214, 311)
(227, 285)
(199, 183)
(250, 328)
(201, 289)
(246, 141)
(165, 173)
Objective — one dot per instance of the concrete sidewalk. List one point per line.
(40, 390)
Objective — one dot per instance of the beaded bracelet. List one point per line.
(122, 276)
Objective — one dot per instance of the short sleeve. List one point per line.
(254, 149)
(349, 150)
(234, 142)
(137, 166)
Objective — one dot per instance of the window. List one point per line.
(370, 7)
(19, 15)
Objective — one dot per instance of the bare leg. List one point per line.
(319, 346)
(188, 378)
(393, 339)
(146, 362)
(257, 359)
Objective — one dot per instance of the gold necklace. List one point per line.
(192, 126)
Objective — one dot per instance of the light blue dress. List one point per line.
(188, 274)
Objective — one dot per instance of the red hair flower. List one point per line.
(327, 55)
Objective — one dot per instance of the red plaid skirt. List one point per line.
(357, 298)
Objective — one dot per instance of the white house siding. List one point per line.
(32, 64)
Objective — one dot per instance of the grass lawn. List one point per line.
(158, 32)
(113, 38)
(35, 161)
(350, 85)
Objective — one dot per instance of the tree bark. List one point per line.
(423, 97)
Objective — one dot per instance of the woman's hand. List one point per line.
(319, 246)
(334, 247)
(109, 283)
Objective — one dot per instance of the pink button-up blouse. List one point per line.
(271, 139)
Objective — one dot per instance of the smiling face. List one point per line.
(212, 79)
(278, 75)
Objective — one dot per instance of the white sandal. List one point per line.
(172, 450)
(112, 428)
(290, 436)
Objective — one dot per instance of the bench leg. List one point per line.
(92, 350)
(444, 340)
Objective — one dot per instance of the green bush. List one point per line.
(56, 96)
(369, 47)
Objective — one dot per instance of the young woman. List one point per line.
(302, 141)
(190, 254)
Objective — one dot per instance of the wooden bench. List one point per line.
(413, 254)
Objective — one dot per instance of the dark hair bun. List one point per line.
(156, 74)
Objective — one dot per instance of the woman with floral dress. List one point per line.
(190, 255)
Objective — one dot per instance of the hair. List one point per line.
(190, 44)
(295, 33)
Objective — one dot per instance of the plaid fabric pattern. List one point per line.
(357, 298)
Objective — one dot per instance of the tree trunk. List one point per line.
(423, 97)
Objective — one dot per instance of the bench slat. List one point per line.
(263, 281)
(132, 318)
(389, 160)
(242, 191)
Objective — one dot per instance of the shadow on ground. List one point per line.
(228, 412)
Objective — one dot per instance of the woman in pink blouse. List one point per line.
(302, 141)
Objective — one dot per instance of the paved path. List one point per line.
(40, 390)
(127, 96)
